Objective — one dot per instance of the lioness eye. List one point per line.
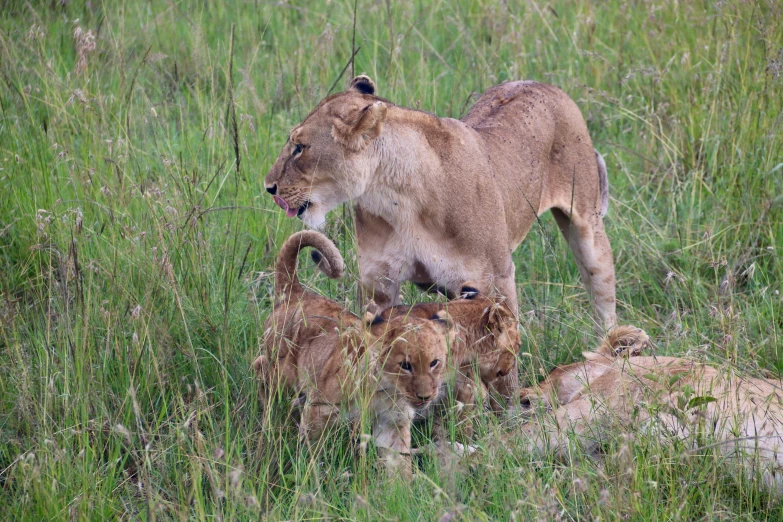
(297, 149)
(434, 363)
(405, 365)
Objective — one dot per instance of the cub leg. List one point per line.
(392, 435)
(588, 242)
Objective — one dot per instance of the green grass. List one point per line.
(136, 246)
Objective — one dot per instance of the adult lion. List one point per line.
(616, 389)
(441, 201)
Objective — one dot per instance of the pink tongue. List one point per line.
(289, 212)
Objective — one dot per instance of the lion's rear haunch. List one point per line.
(328, 259)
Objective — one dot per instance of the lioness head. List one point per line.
(413, 358)
(321, 165)
(565, 383)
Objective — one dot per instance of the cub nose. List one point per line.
(422, 397)
(272, 190)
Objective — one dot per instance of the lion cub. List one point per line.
(326, 354)
(487, 338)
(669, 396)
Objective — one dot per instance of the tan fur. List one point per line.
(487, 333)
(609, 391)
(487, 337)
(441, 201)
(322, 352)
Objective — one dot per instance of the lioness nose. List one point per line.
(272, 190)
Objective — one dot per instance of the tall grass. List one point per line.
(136, 245)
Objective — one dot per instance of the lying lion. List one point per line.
(322, 352)
(440, 201)
(616, 388)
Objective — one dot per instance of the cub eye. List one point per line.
(297, 149)
(405, 365)
(434, 363)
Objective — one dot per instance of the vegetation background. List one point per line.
(136, 244)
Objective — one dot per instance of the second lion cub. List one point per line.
(487, 339)
(336, 365)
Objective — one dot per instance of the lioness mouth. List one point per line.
(291, 212)
(304, 207)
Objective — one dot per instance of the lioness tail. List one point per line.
(286, 280)
(603, 182)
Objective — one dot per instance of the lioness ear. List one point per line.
(624, 341)
(368, 126)
(362, 84)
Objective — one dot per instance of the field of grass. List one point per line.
(136, 244)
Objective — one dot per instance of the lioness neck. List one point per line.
(403, 167)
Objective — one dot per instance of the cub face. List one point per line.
(414, 359)
(320, 165)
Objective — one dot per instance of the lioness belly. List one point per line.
(539, 149)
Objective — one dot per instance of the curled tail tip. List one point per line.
(334, 270)
(328, 260)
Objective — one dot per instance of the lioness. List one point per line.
(323, 352)
(616, 388)
(440, 201)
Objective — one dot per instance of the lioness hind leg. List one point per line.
(588, 242)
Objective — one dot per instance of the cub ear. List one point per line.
(371, 319)
(497, 313)
(362, 84)
(368, 126)
(443, 318)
